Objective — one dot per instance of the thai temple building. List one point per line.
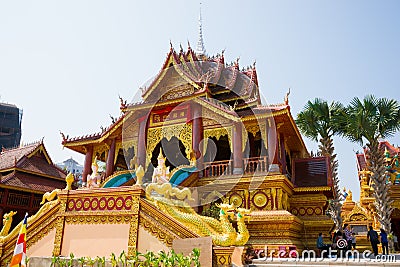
(26, 173)
(360, 215)
(200, 135)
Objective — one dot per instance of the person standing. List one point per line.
(385, 242)
(320, 243)
(395, 242)
(347, 235)
(372, 236)
(353, 240)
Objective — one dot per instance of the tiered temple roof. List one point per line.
(362, 157)
(29, 168)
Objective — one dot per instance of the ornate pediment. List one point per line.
(171, 85)
(177, 92)
(358, 213)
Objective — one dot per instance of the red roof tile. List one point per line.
(39, 164)
(9, 157)
(361, 157)
(31, 182)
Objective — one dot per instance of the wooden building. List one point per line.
(26, 173)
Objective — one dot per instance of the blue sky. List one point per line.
(66, 62)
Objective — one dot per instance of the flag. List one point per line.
(18, 259)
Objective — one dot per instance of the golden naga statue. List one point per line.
(243, 235)
(161, 172)
(7, 221)
(168, 191)
(50, 196)
(221, 231)
(139, 171)
(69, 179)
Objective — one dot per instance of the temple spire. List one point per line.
(200, 49)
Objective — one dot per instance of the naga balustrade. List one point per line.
(256, 164)
(217, 168)
(251, 165)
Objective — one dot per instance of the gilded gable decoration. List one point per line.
(181, 131)
(217, 133)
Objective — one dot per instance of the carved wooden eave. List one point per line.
(41, 149)
(79, 144)
(284, 123)
(313, 189)
(217, 108)
(146, 107)
(172, 59)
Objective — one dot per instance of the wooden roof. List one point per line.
(29, 168)
(362, 158)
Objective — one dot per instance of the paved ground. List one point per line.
(380, 260)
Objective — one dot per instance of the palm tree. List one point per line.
(368, 121)
(319, 121)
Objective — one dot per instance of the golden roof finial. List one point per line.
(161, 156)
(200, 49)
(286, 99)
(94, 163)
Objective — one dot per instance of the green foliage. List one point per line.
(148, 259)
(123, 259)
(212, 211)
(318, 119)
(70, 262)
(101, 261)
(113, 260)
(135, 260)
(371, 118)
(62, 262)
(82, 261)
(196, 257)
(90, 261)
(27, 260)
(54, 261)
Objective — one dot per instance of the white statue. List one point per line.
(94, 180)
(161, 172)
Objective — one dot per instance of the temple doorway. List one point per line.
(173, 150)
(395, 220)
(218, 150)
(256, 146)
(218, 157)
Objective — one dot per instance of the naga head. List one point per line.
(8, 216)
(243, 214)
(225, 209)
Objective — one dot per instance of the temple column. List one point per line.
(141, 149)
(197, 135)
(237, 148)
(88, 164)
(282, 153)
(273, 147)
(110, 159)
